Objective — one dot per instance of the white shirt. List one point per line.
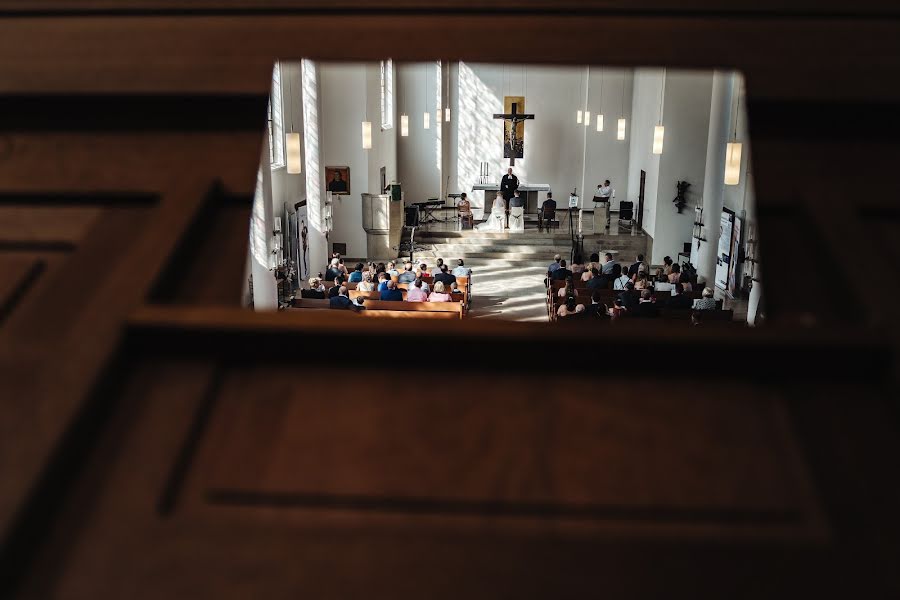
(619, 284)
(604, 191)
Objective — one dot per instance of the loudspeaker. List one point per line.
(412, 216)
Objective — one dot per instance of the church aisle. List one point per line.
(507, 290)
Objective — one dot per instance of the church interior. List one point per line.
(233, 365)
(381, 154)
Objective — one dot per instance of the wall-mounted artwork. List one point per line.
(514, 129)
(337, 180)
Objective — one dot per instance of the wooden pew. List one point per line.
(455, 309)
(385, 314)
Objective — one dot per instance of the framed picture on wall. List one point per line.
(337, 180)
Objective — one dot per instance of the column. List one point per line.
(753, 305)
(704, 257)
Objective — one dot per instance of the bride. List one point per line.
(496, 221)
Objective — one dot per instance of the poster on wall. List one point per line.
(723, 253)
(734, 263)
(302, 240)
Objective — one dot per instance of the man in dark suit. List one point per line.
(645, 308)
(341, 300)
(562, 273)
(392, 293)
(547, 212)
(508, 185)
(679, 301)
(336, 288)
(599, 281)
(633, 269)
(445, 277)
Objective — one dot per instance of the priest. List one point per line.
(508, 186)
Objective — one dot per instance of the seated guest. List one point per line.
(547, 212)
(445, 277)
(461, 269)
(439, 295)
(633, 269)
(423, 270)
(342, 267)
(620, 281)
(641, 283)
(568, 290)
(437, 267)
(425, 286)
(416, 293)
(383, 279)
(595, 262)
(667, 265)
(366, 285)
(380, 268)
(588, 272)
(466, 218)
(334, 270)
(598, 281)
(675, 274)
(408, 275)
(707, 302)
(316, 290)
(357, 275)
(333, 290)
(577, 267)
(359, 304)
(392, 293)
(598, 308)
(554, 265)
(570, 308)
(562, 273)
(678, 301)
(645, 308)
(340, 300)
(617, 309)
(608, 265)
(628, 297)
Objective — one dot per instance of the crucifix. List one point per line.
(514, 117)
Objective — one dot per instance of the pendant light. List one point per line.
(426, 119)
(366, 126)
(659, 131)
(579, 115)
(404, 125)
(600, 114)
(733, 150)
(620, 125)
(587, 94)
(293, 156)
(447, 108)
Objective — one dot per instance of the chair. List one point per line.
(626, 213)
(517, 218)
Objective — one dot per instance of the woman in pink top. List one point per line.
(415, 293)
(438, 294)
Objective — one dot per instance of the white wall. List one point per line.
(645, 115)
(419, 154)
(287, 188)
(554, 142)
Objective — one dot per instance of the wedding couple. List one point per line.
(496, 220)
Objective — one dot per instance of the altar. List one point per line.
(529, 191)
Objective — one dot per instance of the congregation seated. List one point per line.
(334, 270)
(570, 308)
(641, 282)
(357, 275)
(645, 307)
(667, 265)
(439, 294)
(316, 290)
(461, 269)
(341, 300)
(598, 308)
(554, 265)
(391, 292)
(588, 273)
(608, 264)
(464, 207)
(620, 279)
(661, 282)
(444, 277)
(637, 266)
(547, 213)
(366, 285)
(423, 271)
(598, 281)
(416, 293)
(675, 273)
(707, 302)
(437, 267)
(678, 301)
(568, 290)
(383, 280)
(408, 275)
(577, 266)
(561, 273)
(333, 291)
(392, 269)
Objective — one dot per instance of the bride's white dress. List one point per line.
(496, 221)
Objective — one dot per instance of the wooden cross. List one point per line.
(514, 117)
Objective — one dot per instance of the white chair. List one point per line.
(517, 218)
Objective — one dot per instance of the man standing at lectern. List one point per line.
(508, 185)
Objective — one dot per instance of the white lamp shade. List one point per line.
(733, 163)
(620, 134)
(578, 116)
(587, 118)
(426, 121)
(447, 114)
(599, 122)
(367, 135)
(404, 125)
(292, 155)
(658, 133)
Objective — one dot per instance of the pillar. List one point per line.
(753, 305)
(703, 255)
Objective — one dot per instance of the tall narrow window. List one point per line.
(276, 121)
(387, 94)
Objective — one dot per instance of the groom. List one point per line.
(508, 186)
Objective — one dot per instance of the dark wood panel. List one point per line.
(41, 224)
(798, 60)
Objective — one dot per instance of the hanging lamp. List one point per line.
(292, 154)
(620, 124)
(366, 126)
(426, 115)
(659, 131)
(600, 114)
(733, 151)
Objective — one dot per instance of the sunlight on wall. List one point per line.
(439, 120)
(258, 229)
(480, 135)
(311, 133)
